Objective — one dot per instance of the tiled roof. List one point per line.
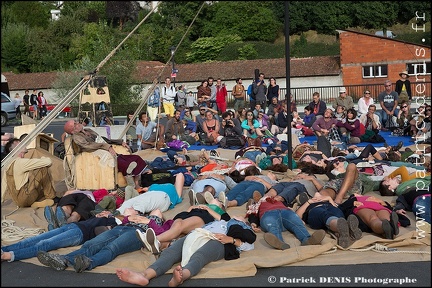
(146, 71)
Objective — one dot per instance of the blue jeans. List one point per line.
(317, 217)
(243, 191)
(107, 246)
(384, 116)
(65, 236)
(289, 190)
(279, 220)
(422, 208)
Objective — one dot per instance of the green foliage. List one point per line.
(14, 50)
(208, 48)
(230, 18)
(31, 13)
(247, 52)
(298, 48)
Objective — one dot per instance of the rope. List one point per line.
(384, 249)
(11, 233)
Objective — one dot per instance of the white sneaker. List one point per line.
(208, 197)
(222, 198)
(192, 197)
(152, 241)
(142, 237)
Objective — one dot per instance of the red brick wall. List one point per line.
(358, 49)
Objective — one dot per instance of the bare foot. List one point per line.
(177, 278)
(132, 277)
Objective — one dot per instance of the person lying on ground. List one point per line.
(375, 214)
(212, 183)
(71, 234)
(243, 191)
(106, 246)
(157, 196)
(273, 217)
(184, 222)
(321, 212)
(417, 201)
(222, 239)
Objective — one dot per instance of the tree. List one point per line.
(118, 12)
(14, 49)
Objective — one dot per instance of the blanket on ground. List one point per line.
(412, 241)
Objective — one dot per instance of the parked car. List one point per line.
(64, 113)
(390, 34)
(8, 111)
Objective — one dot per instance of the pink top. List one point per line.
(369, 205)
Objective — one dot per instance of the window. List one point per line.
(374, 71)
(420, 68)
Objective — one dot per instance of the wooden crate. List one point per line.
(89, 174)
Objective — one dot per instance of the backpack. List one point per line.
(250, 92)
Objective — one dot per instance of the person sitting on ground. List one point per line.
(350, 129)
(106, 246)
(271, 216)
(71, 234)
(146, 136)
(221, 240)
(321, 212)
(326, 126)
(28, 181)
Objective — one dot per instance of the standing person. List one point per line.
(318, 106)
(343, 100)
(239, 94)
(181, 97)
(168, 94)
(190, 101)
(26, 101)
(221, 96)
(403, 88)
(203, 94)
(17, 104)
(364, 102)
(388, 100)
(154, 104)
(212, 100)
(42, 102)
(260, 91)
(34, 103)
(273, 90)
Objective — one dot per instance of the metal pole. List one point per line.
(173, 48)
(288, 86)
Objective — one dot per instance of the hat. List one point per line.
(404, 72)
(261, 111)
(342, 90)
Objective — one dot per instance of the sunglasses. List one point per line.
(202, 109)
(249, 114)
(387, 85)
(404, 106)
(367, 93)
(327, 117)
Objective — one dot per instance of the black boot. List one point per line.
(398, 146)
